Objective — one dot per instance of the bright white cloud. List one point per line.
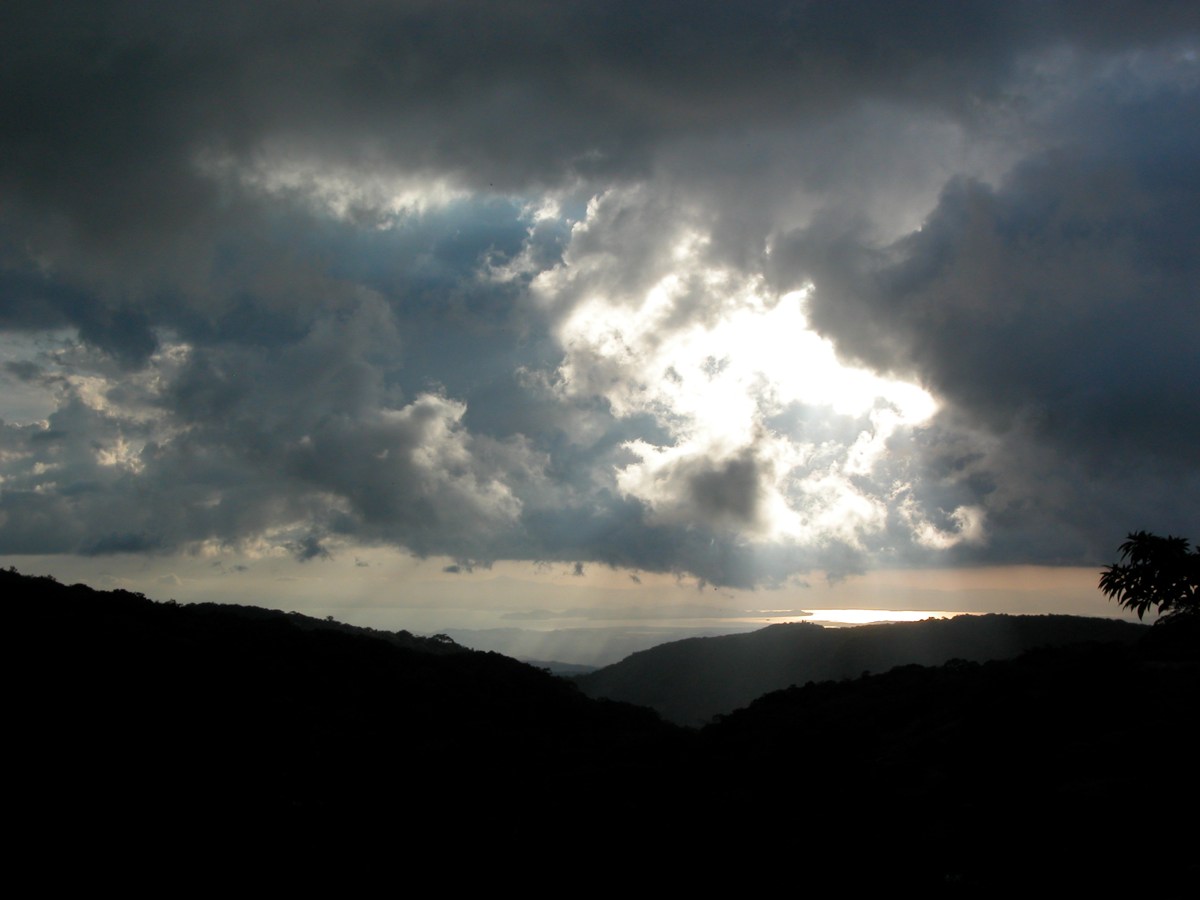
(715, 358)
(319, 290)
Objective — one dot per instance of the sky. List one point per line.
(558, 307)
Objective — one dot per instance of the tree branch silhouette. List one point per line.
(1155, 572)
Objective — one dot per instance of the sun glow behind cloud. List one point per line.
(717, 360)
(517, 289)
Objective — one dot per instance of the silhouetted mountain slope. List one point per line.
(213, 713)
(1061, 767)
(690, 681)
(208, 735)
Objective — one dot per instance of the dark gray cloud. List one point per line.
(109, 104)
(480, 281)
(1057, 312)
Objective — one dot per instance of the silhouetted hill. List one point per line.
(692, 680)
(199, 739)
(560, 668)
(212, 713)
(1053, 770)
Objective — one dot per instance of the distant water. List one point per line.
(841, 617)
(829, 618)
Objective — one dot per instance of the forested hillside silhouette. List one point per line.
(692, 680)
(204, 732)
(212, 712)
(1065, 768)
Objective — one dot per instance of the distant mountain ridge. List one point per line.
(690, 681)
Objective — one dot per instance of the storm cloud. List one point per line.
(734, 292)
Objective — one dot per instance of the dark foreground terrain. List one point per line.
(146, 732)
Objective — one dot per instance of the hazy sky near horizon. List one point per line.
(730, 295)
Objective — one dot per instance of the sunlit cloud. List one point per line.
(715, 358)
(544, 288)
(369, 193)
